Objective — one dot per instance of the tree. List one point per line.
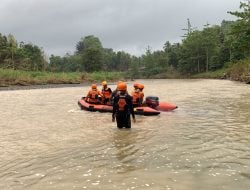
(12, 43)
(133, 71)
(56, 63)
(122, 61)
(36, 55)
(92, 59)
(192, 54)
(211, 45)
(109, 59)
(91, 51)
(3, 49)
(88, 42)
(240, 30)
(189, 29)
(225, 53)
(172, 52)
(147, 62)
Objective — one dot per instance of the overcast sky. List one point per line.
(128, 25)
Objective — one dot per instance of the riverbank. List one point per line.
(9, 77)
(39, 86)
(239, 71)
(16, 79)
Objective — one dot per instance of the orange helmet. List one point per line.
(136, 85)
(141, 86)
(120, 81)
(122, 86)
(94, 86)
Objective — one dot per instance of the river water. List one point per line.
(47, 142)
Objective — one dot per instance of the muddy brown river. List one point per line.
(47, 142)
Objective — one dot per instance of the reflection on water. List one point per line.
(126, 149)
(47, 142)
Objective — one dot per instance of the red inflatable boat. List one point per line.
(108, 108)
(151, 106)
(153, 102)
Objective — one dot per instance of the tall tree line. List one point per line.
(23, 56)
(91, 56)
(203, 50)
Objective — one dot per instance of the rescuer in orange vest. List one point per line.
(137, 94)
(93, 95)
(106, 92)
(123, 107)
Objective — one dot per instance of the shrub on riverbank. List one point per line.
(16, 77)
(218, 74)
(240, 71)
(100, 76)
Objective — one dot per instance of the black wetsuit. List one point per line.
(114, 93)
(122, 108)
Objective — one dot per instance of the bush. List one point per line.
(240, 71)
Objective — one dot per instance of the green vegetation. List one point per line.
(18, 77)
(216, 51)
(101, 76)
(218, 74)
(240, 71)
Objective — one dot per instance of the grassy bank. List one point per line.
(219, 74)
(238, 71)
(16, 77)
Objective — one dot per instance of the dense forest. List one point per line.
(209, 49)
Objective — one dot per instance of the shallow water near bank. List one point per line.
(47, 142)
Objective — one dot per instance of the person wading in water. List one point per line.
(123, 107)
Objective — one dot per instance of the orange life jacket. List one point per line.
(106, 93)
(137, 97)
(122, 102)
(93, 96)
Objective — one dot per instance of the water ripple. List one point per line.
(47, 142)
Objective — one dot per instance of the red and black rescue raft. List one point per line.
(153, 102)
(151, 106)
